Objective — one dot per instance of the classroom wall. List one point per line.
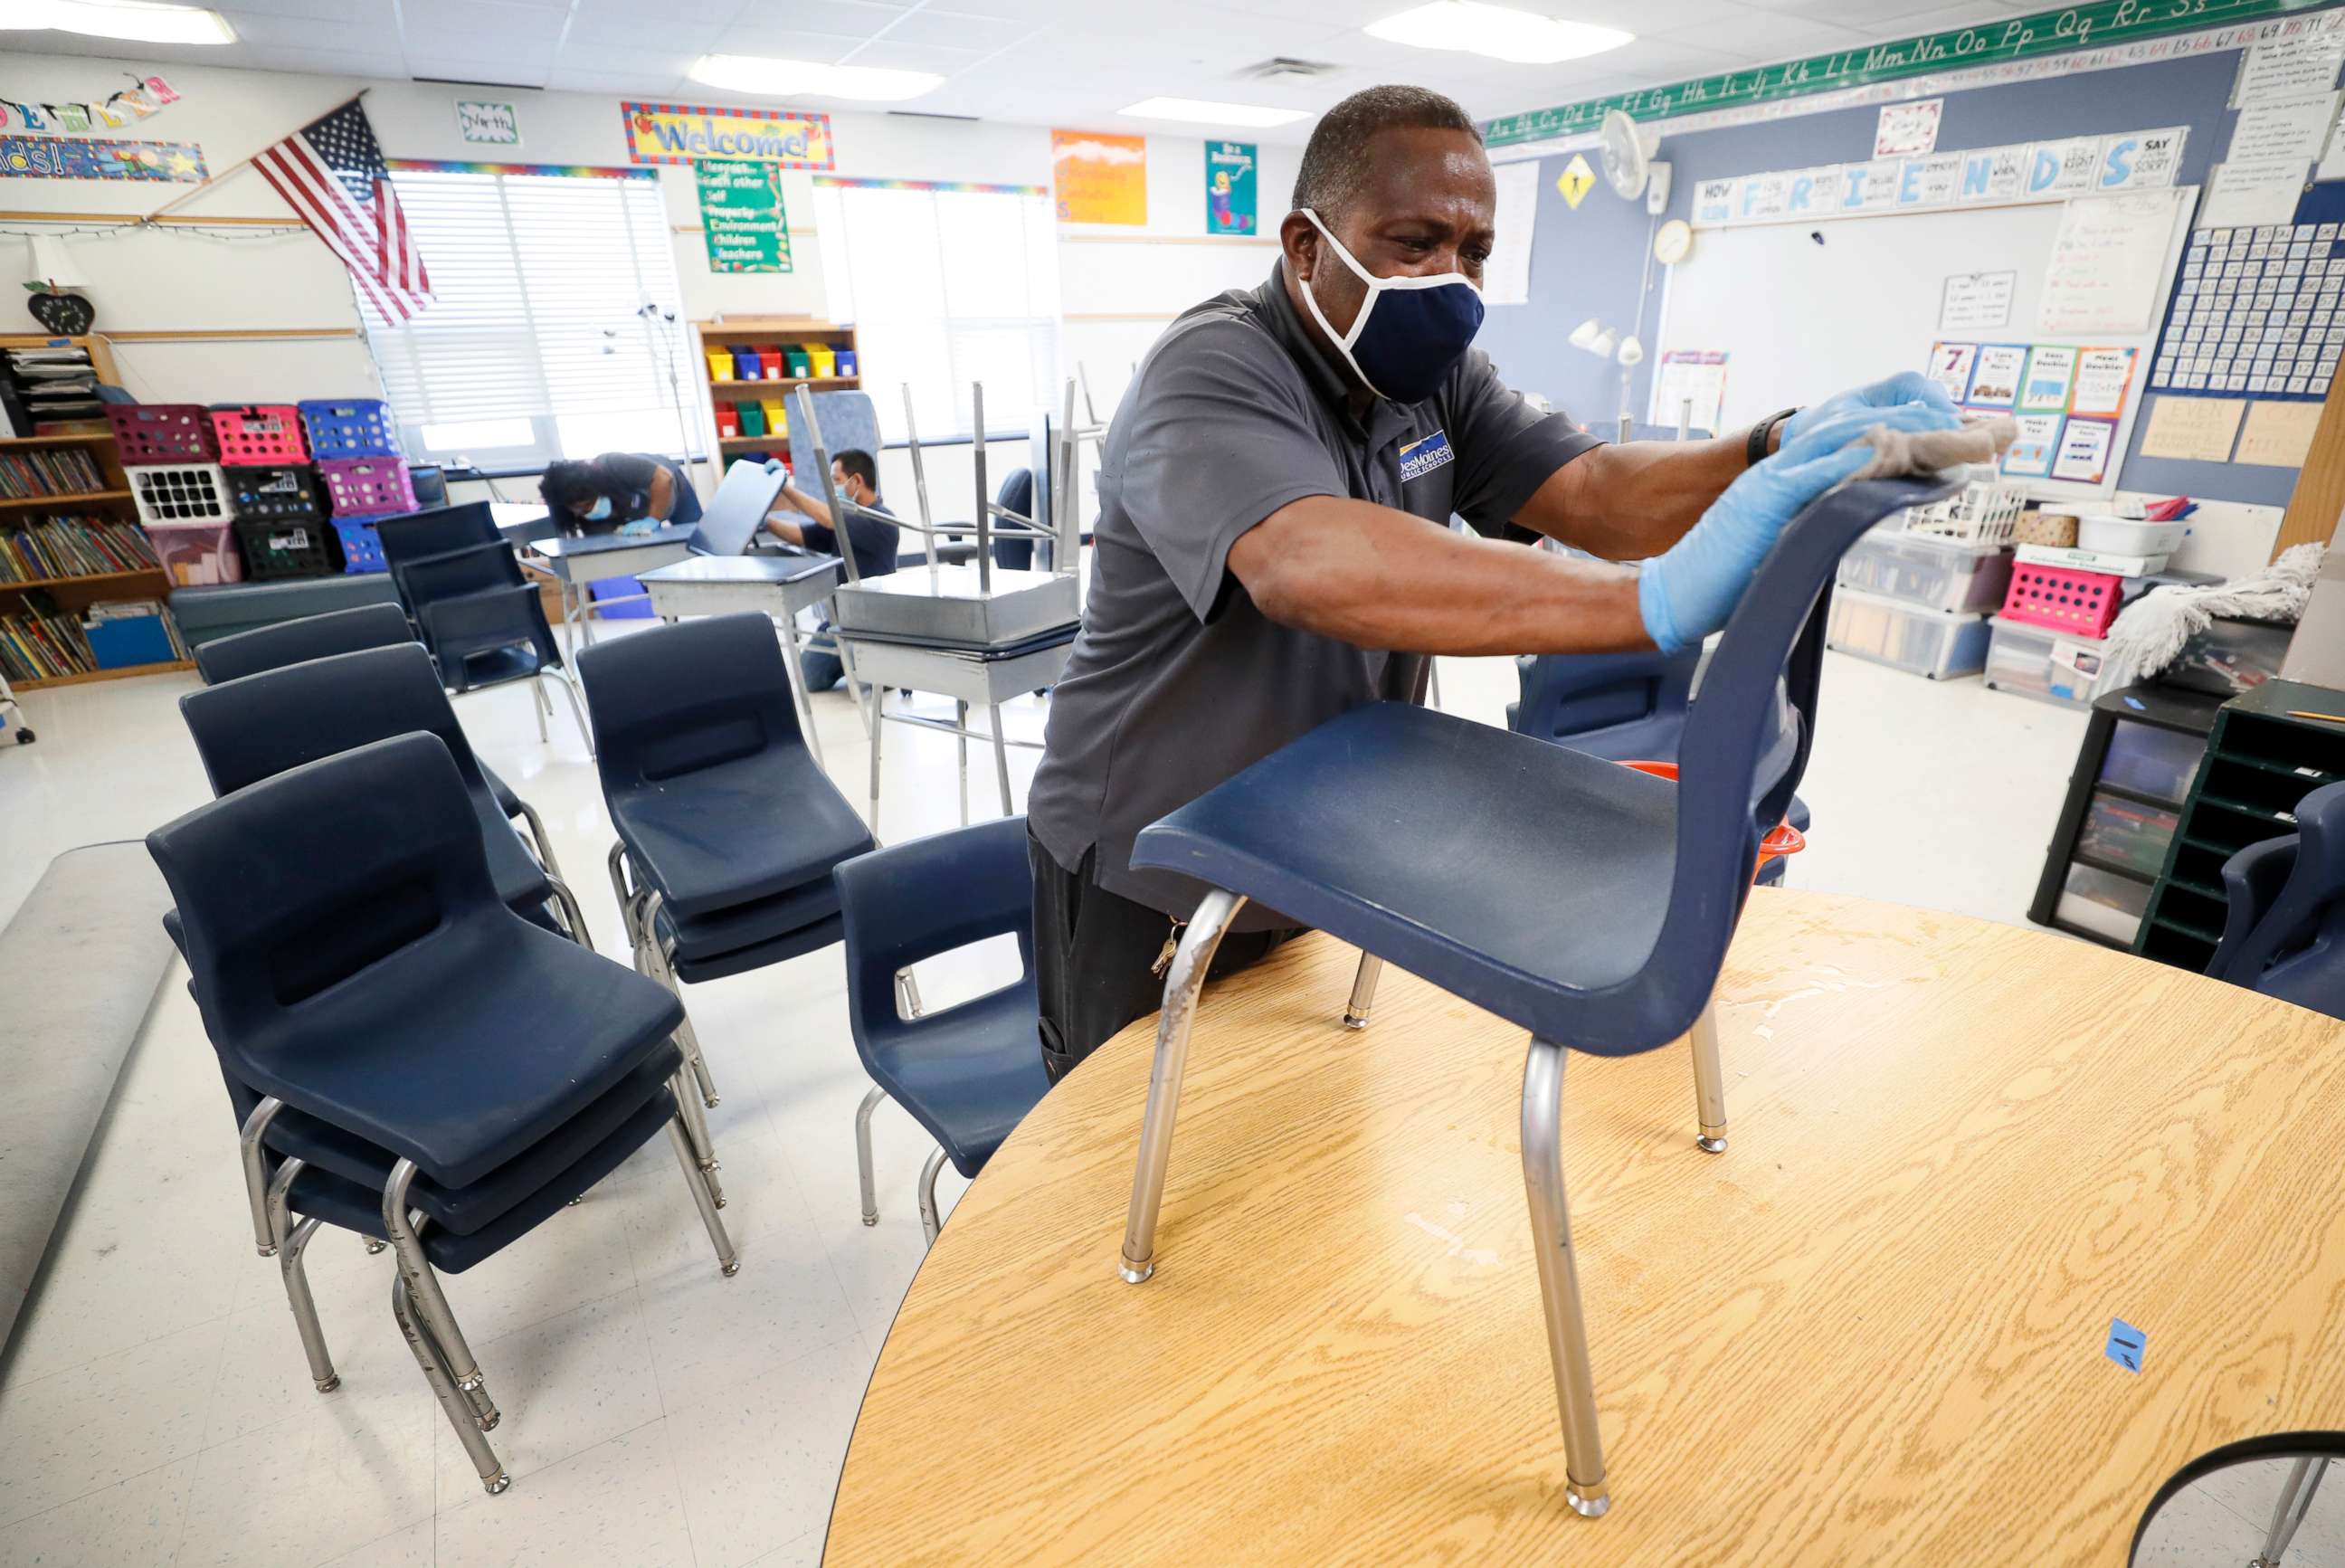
(1590, 262)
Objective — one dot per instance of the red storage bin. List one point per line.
(367, 486)
(266, 435)
(769, 359)
(2082, 604)
(147, 432)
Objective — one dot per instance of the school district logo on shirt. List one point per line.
(1422, 456)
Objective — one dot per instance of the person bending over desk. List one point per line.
(623, 492)
(855, 478)
(1273, 534)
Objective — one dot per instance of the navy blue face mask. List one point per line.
(1410, 332)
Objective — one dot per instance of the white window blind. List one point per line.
(534, 330)
(946, 288)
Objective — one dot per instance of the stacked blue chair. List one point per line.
(2284, 916)
(339, 632)
(1587, 902)
(969, 1073)
(728, 829)
(262, 724)
(406, 1058)
(477, 614)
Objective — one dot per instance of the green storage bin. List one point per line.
(753, 418)
(801, 366)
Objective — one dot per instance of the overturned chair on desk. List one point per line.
(1456, 851)
(406, 1058)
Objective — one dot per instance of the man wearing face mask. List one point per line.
(1273, 534)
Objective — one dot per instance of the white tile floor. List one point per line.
(157, 1409)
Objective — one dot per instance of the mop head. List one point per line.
(2149, 632)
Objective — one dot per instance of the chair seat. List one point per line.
(747, 925)
(336, 1200)
(737, 831)
(968, 1075)
(1510, 872)
(493, 667)
(467, 1209)
(465, 1047)
(740, 960)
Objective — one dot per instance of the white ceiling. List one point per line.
(1057, 62)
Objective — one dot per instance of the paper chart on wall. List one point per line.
(2251, 195)
(2193, 428)
(2044, 388)
(1977, 301)
(1689, 376)
(2285, 69)
(1950, 367)
(2279, 435)
(1995, 381)
(2107, 263)
(2104, 376)
(2083, 454)
(2031, 452)
(1507, 276)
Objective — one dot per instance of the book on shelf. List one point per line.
(71, 547)
(39, 641)
(48, 471)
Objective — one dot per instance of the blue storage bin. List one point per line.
(118, 644)
(361, 549)
(747, 365)
(846, 362)
(349, 427)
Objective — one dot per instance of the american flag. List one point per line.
(331, 173)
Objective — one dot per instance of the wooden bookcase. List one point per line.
(112, 502)
(750, 331)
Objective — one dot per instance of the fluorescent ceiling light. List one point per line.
(792, 79)
(1206, 112)
(133, 19)
(1499, 31)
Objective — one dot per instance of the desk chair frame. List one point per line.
(908, 1002)
(639, 908)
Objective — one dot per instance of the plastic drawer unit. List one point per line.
(2037, 662)
(1931, 573)
(1892, 632)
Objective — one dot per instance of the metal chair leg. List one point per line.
(543, 844)
(293, 1241)
(577, 707)
(872, 722)
(438, 1317)
(1708, 1082)
(908, 994)
(655, 952)
(1363, 991)
(571, 915)
(960, 723)
(1567, 1327)
(437, 1373)
(1002, 759)
(863, 1153)
(543, 710)
(2295, 1502)
(931, 1224)
(728, 1262)
(1182, 985)
(256, 1173)
(615, 862)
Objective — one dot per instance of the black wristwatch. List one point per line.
(1754, 451)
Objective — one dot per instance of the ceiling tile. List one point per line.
(379, 64)
(1762, 38)
(784, 43)
(683, 10)
(378, 29)
(1914, 24)
(326, 10)
(423, 19)
(955, 30)
(856, 16)
(888, 54)
(650, 64)
(665, 32)
(623, 84)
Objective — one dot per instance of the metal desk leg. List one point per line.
(960, 722)
(798, 692)
(569, 628)
(586, 613)
(1000, 757)
(872, 706)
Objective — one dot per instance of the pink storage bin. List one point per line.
(367, 486)
(2082, 604)
(263, 435)
(196, 555)
(147, 432)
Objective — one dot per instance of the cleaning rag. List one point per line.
(1901, 452)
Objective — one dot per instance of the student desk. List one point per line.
(774, 584)
(575, 563)
(1873, 1330)
(971, 677)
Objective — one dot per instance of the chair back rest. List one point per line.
(1746, 744)
(915, 900)
(433, 533)
(2297, 951)
(429, 580)
(1627, 706)
(2252, 879)
(260, 726)
(675, 699)
(429, 482)
(304, 881)
(296, 641)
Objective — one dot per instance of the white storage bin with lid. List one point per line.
(1927, 571)
(1892, 632)
(2116, 535)
(2038, 662)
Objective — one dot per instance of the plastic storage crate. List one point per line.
(1983, 512)
(260, 434)
(195, 554)
(1889, 631)
(275, 492)
(367, 486)
(748, 364)
(2063, 599)
(361, 547)
(1926, 571)
(181, 493)
(349, 427)
(277, 548)
(2034, 661)
(147, 432)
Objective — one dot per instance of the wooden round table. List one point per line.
(1873, 1330)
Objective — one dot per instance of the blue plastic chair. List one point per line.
(339, 632)
(2284, 922)
(1589, 903)
(969, 1074)
(729, 828)
(409, 1060)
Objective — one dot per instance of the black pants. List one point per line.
(1095, 958)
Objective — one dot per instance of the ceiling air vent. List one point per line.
(1287, 71)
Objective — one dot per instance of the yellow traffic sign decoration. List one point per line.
(1576, 181)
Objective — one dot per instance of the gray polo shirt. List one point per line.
(1177, 681)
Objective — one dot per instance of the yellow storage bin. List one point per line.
(821, 360)
(777, 417)
(720, 364)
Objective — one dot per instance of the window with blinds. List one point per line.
(536, 345)
(946, 288)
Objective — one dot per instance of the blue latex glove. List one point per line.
(1890, 391)
(1687, 593)
(639, 526)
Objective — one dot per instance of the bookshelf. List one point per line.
(113, 502)
(727, 333)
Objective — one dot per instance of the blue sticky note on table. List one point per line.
(2125, 1345)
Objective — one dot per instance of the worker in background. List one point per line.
(855, 478)
(619, 491)
(1273, 532)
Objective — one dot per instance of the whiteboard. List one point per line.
(1801, 321)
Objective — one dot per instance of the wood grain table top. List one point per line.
(1872, 1331)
